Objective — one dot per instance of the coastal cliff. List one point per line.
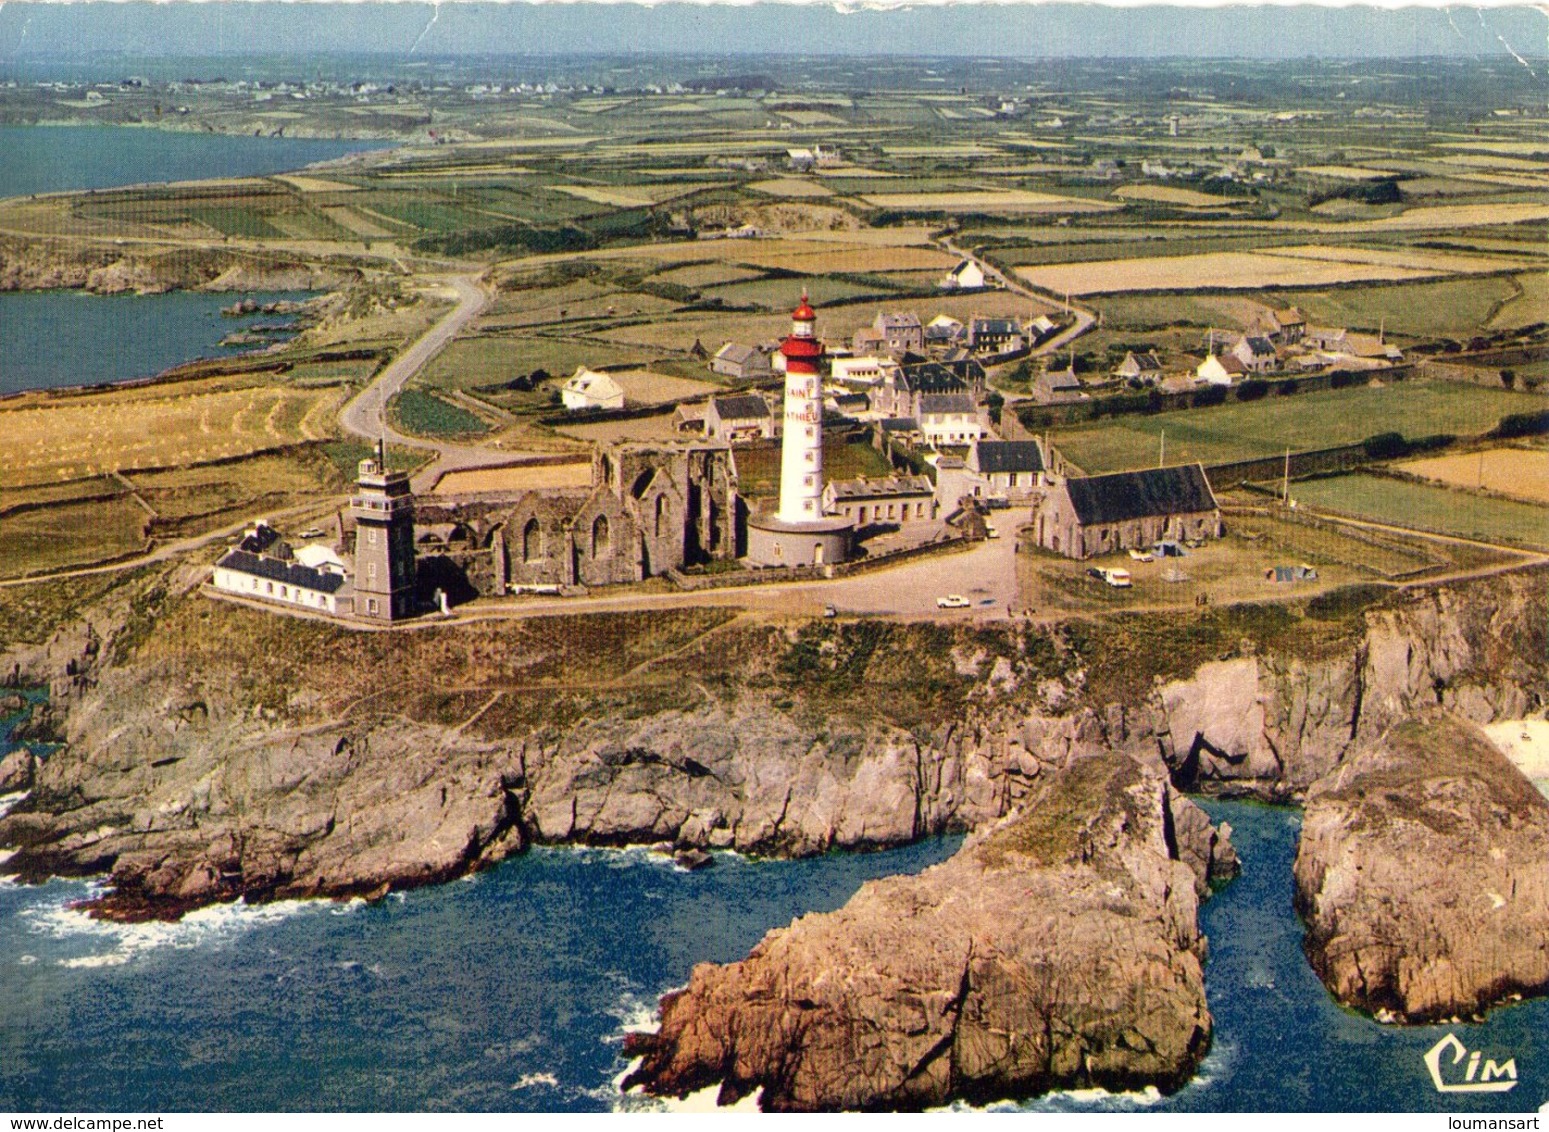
(1058, 948)
(1423, 876)
(103, 269)
(212, 751)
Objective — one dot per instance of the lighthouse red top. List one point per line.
(802, 349)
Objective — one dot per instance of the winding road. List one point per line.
(365, 415)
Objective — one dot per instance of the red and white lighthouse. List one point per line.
(801, 449)
(798, 533)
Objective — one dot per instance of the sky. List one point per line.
(39, 29)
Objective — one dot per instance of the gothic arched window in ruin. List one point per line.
(532, 541)
(600, 537)
(661, 515)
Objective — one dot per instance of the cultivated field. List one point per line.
(1168, 194)
(1228, 270)
(643, 387)
(56, 440)
(1007, 201)
(1306, 421)
(518, 477)
(1436, 509)
(1519, 472)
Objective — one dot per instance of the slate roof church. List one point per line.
(1087, 516)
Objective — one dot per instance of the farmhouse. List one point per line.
(1058, 387)
(901, 501)
(1256, 353)
(590, 389)
(1288, 326)
(744, 363)
(1220, 369)
(1092, 515)
(1007, 469)
(1042, 328)
(735, 419)
(901, 392)
(1140, 367)
(966, 276)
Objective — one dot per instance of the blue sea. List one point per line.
(45, 159)
(94, 339)
(512, 990)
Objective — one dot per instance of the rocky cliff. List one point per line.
(1423, 875)
(213, 750)
(42, 264)
(1058, 948)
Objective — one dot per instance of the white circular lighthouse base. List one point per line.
(823, 542)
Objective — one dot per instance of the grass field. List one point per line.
(202, 497)
(1325, 419)
(70, 534)
(1519, 472)
(758, 465)
(1429, 508)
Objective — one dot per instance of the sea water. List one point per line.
(50, 339)
(512, 990)
(43, 159)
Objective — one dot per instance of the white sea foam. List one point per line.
(532, 1080)
(9, 800)
(120, 943)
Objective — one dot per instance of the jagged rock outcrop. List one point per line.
(1423, 875)
(16, 770)
(1058, 948)
(157, 784)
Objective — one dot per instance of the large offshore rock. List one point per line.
(1423, 875)
(1058, 948)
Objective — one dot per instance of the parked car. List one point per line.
(1141, 555)
(1117, 577)
(990, 532)
(311, 532)
(830, 611)
(952, 601)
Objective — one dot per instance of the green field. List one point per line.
(424, 414)
(70, 534)
(1429, 508)
(1306, 421)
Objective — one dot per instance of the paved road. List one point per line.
(1085, 319)
(365, 416)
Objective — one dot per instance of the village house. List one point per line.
(737, 419)
(1042, 328)
(899, 501)
(591, 389)
(867, 340)
(942, 331)
(743, 363)
(900, 333)
(1058, 387)
(966, 276)
(995, 336)
(866, 371)
(1220, 369)
(1288, 326)
(1006, 469)
(1143, 367)
(949, 419)
(1330, 338)
(1094, 515)
(901, 393)
(1256, 353)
